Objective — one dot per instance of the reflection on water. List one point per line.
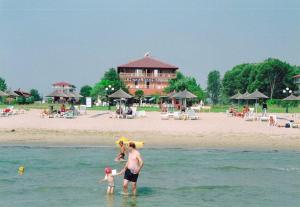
(110, 200)
(129, 201)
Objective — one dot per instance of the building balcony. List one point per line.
(148, 75)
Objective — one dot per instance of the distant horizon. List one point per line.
(42, 42)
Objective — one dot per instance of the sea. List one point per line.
(68, 176)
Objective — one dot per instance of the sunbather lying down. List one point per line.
(290, 124)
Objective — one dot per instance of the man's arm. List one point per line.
(141, 163)
(124, 169)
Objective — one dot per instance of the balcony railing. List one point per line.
(148, 75)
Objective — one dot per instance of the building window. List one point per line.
(147, 84)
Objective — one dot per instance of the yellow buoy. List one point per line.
(21, 170)
(126, 141)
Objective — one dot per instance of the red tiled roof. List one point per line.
(297, 76)
(148, 62)
(62, 84)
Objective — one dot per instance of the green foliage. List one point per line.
(111, 77)
(139, 94)
(86, 90)
(3, 85)
(214, 86)
(269, 77)
(35, 94)
(182, 82)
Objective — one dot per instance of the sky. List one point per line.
(46, 41)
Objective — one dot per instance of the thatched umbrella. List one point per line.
(3, 94)
(57, 93)
(255, 96)
(237, 97)
(76, 94)
(291, 98)
(120, 94)
(184, 95)
(11, 94)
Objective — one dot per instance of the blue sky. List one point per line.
(43, 41)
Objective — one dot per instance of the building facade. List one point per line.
(297, 82)
(147, 74)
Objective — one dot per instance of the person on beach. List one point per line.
(264, 109)
(121, 155)
(132, 168)
(109, 177)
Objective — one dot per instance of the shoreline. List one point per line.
(153, 139)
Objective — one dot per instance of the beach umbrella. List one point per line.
(120, 94)
(244, 95)
(184, 95)
(3, 94)
(11, 94)
(255, 96)
(57, 93)
(237, 97)
(291, 98)
(69, 94)
(76, 94)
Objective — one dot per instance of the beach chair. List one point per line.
(82, 109)
(250, 115)
(69, 115)
(177, 115)
(164, 116)
(133, 113)
(192, 115)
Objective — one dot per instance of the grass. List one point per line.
(215, 108)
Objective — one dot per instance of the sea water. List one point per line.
(68, 176)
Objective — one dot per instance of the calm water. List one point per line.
(171, 177)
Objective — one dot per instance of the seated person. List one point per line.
(63, 108)
(286, 125)
(129, 111)
(119, 111)
(44, 113)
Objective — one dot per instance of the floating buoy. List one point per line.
(21, 170)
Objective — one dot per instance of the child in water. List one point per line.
(109, 177)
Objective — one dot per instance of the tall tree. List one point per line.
(112, 78)
(182, 82)
(86, 90)
(214, 85)
(3, 85)
(35, 94)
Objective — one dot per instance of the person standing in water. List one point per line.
(132, 168)
(121, 155)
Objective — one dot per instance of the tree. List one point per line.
(86, 90)
(182, 82)
(139, 94)
(3, 85)
(111, 77)
(269, 77)
(35, 95)
(214, 86)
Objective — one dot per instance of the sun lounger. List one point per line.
(131, 116)
(164, 116)
(208, 108)
(177, 115)
(192, 115)
(69, 115)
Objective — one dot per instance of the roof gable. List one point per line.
(148, 62)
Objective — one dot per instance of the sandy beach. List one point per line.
(213, 130)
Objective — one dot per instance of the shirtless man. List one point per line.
(121, 155)
(132, 168)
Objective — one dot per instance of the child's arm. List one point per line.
(104, 179)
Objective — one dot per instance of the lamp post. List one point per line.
(108, 90)
(287, 91)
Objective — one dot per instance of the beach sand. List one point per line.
(213, 130)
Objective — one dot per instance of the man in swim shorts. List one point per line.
(132, 168)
